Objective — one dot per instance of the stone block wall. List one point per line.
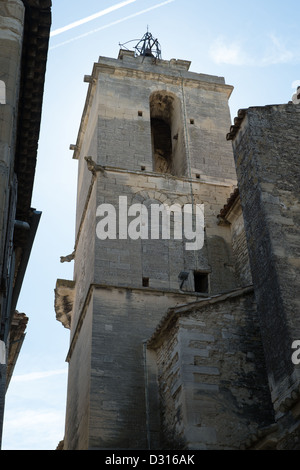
(162, 260)
(122, 320)
(79, 385)
(84, 270)
(211, 373)
(266, 149)
(11, 40)
(119, 105)
(240, 249)
(123, 287)
(232, 214)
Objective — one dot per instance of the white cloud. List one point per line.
(295, 84)
(30, 419)
(223, 52)
(34, 417)
(37, 375)
(33, 429)
(272, 51)
(276, 52)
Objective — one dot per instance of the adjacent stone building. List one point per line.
(168, 343)
(266, 149)
(24, 36)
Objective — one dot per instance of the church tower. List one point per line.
(154, 171)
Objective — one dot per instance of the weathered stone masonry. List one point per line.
(122, 288)
(211, 368)
(267, 155)
(266, 150)
(171, 349)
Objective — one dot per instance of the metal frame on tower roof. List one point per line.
(148, 46)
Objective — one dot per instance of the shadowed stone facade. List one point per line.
(266, 150)
(166, 345)
(24, 36)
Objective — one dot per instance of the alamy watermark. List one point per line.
(296, 354)
(140, 222)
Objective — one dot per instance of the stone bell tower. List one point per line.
(152, 134)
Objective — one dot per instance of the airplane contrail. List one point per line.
(113, 23)
(91, 17)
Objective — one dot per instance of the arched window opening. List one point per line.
(2, 92)
(162, 145)
(168, 147)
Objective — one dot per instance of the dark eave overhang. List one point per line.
(34, 58)
(230, 203)
(236, 124)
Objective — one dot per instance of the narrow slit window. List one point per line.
(201, 282)
(145, 281)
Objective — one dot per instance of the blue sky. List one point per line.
(254, 45)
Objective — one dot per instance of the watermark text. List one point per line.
(296, 354)
(139, 222)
